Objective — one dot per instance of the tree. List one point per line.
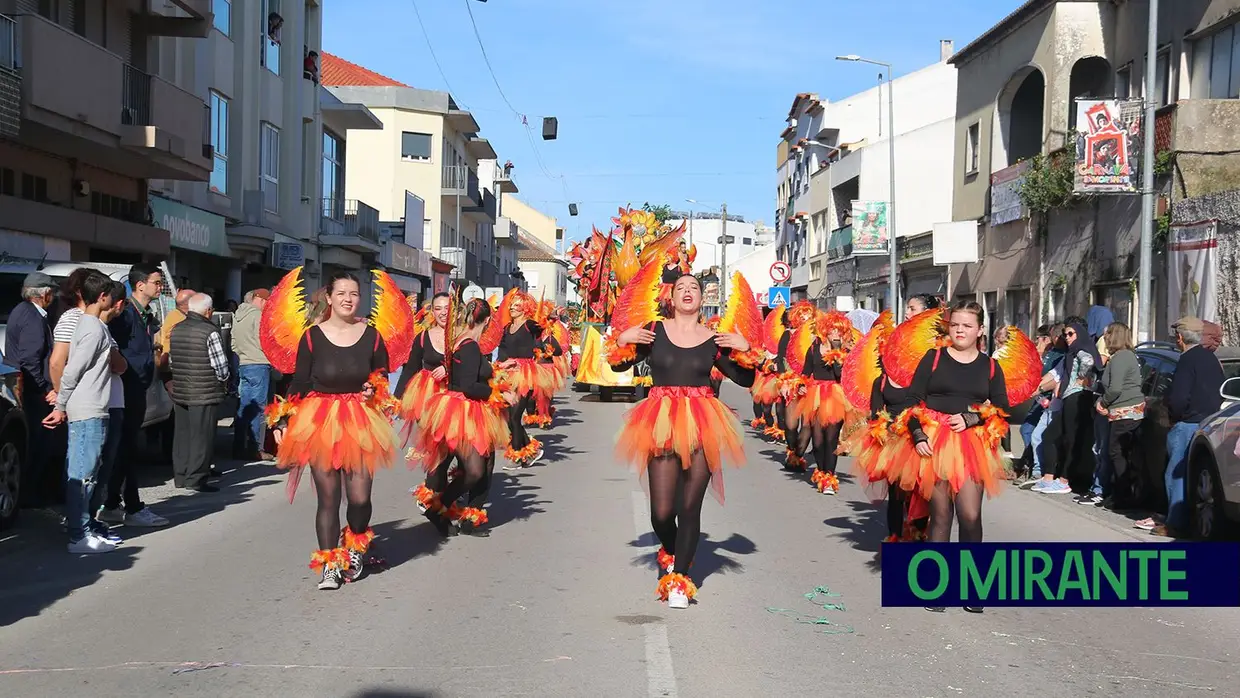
(661, 212)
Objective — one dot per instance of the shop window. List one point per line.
(269, 167)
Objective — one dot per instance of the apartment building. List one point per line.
(544, 273)
(704, 229)
(431, 148)
(86, 122)
(834, 153)
(1017, 86)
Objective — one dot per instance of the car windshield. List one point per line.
(11, 293)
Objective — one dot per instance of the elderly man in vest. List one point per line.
(199, 377)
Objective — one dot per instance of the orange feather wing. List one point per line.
(283, 322)
(638, 302)
(743, 317)
(491, 335)
(662, 247)
(909, 343)
(773, 329)
(391, 316)
(861, 368)
(802, 339)
(1022, 367)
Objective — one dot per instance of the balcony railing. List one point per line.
(361, 220)
(840, 244)
(10, 51)
(332, 216)
(135, 97)
(485, 206)
(461, 180)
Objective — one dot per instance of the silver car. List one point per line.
(1212, 490)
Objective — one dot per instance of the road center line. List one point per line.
(660, 676)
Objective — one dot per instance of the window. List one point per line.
(34, 188)
(8, 182)
(272, 23)
(970, 148)
(1162, 77)
(269, 166)
(749, 241)
(219, 141)
(1019, 309)
(1216, 65)
(1123, 82)
(415, 146)
(333, 173)
(223, 15)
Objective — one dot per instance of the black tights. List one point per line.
(474, 470)
(437, 479)
(826, 439)
(519, 438)
(791, 436)
(967, 506)
(896, 503)
(328, 485)
(480, 492)
(761, 411)
(676, 495)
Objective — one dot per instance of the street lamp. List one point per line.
(891, 153)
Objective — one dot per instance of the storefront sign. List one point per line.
(1108, 145)
(287, 255)
(402, 257)
(191, 228)
(1005, 205)
(871, 234)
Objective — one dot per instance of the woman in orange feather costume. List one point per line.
(422, 378)
(521, 371)
(336, 422)
(679, 435)
(466, 422)
(819, 406)
(800, 314)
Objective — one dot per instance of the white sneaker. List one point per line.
(677, 599)
(89, 544)
(537, 457)
(332, 579)
(145, 519)
(111, 516)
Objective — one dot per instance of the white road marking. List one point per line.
(660, 676)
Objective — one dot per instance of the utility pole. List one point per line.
(723, 282)
(1145, 302)
(893, 275)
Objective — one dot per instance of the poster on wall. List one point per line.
(1005, 203)
(1192, 271)
(1108, 146)
(870, 232)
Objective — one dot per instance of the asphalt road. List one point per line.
(559, 601)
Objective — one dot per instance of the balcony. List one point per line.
(465, 263)
(503, 180)
(83, 102)
(350, 224)
(156, 23)
(1206, 143)
(486, 209)
(461, 181)
(506, 231)
(840, 243)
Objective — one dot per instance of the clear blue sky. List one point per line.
(657, 100)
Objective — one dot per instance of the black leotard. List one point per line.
(817, 368)
(671, 365)
(885, 396)
(955, 388)
(471, 372)
(423, 357)
(323, 367)
(519, 344)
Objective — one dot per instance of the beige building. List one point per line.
(1015, 100)
(431, 148)
(86, 120)
(534, 222)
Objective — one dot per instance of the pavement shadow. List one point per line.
(865, 529)
(553, 451)
(402, 540)
(713, 556)
(566, 415)
(49, 578)
(513, 498)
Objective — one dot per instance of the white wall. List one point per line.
(923, 177)
(707, 231)
(755, 267)
(547, 280)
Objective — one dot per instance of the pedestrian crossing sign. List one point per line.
(778, 295)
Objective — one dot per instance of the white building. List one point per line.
(755, 266)
(705, 230)
(545, 274)
(833, 153)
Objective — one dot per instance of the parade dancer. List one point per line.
(680, 434)
(423, 377)
(466, 422)
(550, 376)
(802, 314)
(960, 398)
(516, 359)
(716, 376)
(819, 405)
(765, 390)
(335, 421)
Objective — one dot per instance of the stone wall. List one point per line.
(1225, 207)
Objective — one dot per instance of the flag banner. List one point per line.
(1061, 574)
(1192, 271)
(871, 235)
(1108, 146)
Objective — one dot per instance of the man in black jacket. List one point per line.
(1192, 397)
(27, 348)
(199, 376)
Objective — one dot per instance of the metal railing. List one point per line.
(361, 220)
(10, 43)
(456, 257)
(135, 97)
(840, 243)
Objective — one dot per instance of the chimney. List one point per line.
(946, 48)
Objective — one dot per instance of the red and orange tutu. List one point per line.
(453, 424)
(417, 393)
(528, 376)
(823, 403)
(958, 457)
(680, 421)
(878, 449)
(337, 432)
(765, 389)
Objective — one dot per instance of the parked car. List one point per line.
(1158, 361)
(12, 448)
(1212, 490)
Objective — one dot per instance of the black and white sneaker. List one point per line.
(332, 579)
(357, 567)
(1089, 498)
(537, 457)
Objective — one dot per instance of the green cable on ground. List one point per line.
(812, 597)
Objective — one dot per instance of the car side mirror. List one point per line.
(1230, 389)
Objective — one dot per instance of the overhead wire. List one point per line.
(427, 37)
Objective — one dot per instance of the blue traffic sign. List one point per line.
(777, 296)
